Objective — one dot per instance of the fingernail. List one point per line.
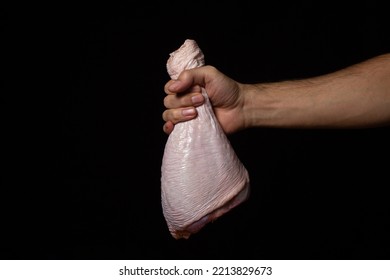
(197, 99)
(188, 112)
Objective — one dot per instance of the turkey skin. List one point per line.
(201, 176)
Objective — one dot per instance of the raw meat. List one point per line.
(201, 175)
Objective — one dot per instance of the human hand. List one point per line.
(184, 95)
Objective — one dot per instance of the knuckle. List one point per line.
(211, 68)
(172, 115)
(166, 102)
(166, 90)
(184, 74)
(176, 116)
(164, 115)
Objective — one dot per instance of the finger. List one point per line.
(193, 88)
(177, 101)
(168, 127)
(179, 115)
(167, 85)
(187, 78)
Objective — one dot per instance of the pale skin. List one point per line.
(357, 96)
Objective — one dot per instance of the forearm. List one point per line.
(357, 96)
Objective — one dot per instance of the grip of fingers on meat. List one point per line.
(201, 176)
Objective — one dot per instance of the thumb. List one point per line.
(189, 78)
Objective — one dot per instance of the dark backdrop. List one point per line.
(84, 139)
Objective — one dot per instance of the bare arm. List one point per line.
(357, 96)
(354, 97)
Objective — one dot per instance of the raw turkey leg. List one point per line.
(202, 177)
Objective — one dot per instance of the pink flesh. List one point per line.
(198, 225)
(202, 177)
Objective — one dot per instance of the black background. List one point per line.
(83, 132)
